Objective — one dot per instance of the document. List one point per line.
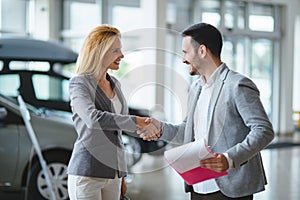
(185, 160)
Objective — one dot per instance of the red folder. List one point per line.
(185, 160)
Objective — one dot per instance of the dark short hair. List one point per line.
(207, 35)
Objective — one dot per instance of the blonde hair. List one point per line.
(94, 48)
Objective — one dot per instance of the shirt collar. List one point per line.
(211, 79)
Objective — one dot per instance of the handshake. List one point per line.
(148, 128)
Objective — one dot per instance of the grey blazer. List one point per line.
(239, 126)
(98, 150)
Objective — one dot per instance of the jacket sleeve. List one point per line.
(173, 134)
(248, 104)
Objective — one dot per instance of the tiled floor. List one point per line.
(283, 172)
(152, 179)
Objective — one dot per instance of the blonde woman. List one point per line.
(100, 113)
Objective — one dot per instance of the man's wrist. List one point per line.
(229, 160)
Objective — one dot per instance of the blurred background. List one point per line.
(261, 41)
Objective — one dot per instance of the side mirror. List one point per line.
(3, 113)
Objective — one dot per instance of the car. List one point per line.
(33, 69)
(19, 165)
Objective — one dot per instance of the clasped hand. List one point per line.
(151, 129)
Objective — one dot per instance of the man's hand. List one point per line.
(151, 131)
(218, 163)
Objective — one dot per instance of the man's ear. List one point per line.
(202, 50)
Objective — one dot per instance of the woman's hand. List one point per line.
(147, 130)
(123, 188)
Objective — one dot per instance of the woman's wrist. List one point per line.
(140, 121)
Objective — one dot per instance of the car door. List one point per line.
(9, 145)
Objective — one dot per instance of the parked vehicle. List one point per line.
(19, 166)
(33, 69)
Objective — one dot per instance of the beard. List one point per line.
(193, 71)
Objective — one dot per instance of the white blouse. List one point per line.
(117, 104)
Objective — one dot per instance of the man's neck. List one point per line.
(211, 68)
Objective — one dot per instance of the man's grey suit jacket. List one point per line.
(239, 126)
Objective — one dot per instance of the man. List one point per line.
(224, 109)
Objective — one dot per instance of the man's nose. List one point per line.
(185, 61)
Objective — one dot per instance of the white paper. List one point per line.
(187, 156)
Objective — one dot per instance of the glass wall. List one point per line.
(79, 17)
(249, 47)
(137, 71)
(14, 17)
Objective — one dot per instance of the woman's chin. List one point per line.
(114, 68)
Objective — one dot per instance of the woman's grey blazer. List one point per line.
(98, 150)
(238, 126)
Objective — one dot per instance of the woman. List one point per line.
(100, 113)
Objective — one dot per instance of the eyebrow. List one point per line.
(116, 48)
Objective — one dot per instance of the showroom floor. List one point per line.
(153, 179)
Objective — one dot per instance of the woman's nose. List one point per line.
(122, 55)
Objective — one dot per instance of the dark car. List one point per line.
(34, 69)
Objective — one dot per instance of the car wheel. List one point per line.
(57, 162)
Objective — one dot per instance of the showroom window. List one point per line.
(121, 14)
(76, 26)
(249, 47)
(177, 79)
(137, 71)
(14, 17)
(264, 14)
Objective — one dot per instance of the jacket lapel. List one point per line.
(189, 136)
(213, 101)
(102, 102)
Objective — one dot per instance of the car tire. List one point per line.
(57, 162)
